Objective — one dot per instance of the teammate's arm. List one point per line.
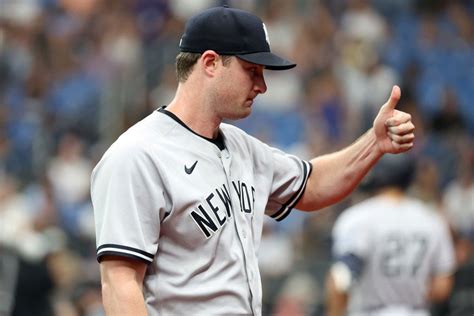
(122, 281)
(439, 288)
(336, 175)
(343, 273)
(336, 299)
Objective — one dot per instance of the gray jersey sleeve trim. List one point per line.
(119, 250)
(285, 210)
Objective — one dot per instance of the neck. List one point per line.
(192, 107)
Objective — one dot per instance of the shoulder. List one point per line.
(429, 214)
(238, 138)
(362, 209)
(231, 131)
(135, 144)
(359, 215)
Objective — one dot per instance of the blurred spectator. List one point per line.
(298, 296)
(364, 79)
(325, 106)
(87, 299)
(183, 9)
(315, 41)
(26, 249)
(458, 198)
(460, 301)
(426, 184)
(20, 12)
(31, 284)
(17, 226)
(69, 174)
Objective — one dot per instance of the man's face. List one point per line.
(239, 83)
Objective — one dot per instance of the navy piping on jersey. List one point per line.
(286, 208)
(123, 251)
(353, 262)
(218, 141)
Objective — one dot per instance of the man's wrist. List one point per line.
(373, 144)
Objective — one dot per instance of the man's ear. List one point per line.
(210, 62)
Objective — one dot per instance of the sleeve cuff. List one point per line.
(285, 210)
(123, 251)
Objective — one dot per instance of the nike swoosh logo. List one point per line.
(190, 169)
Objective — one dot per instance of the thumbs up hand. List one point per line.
(393, 128)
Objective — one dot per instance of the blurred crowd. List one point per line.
(74, 74)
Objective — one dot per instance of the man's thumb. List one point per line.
(394, 98)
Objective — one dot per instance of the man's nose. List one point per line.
(259, 85)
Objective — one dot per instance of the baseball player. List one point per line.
(180, 197)
(393, 254)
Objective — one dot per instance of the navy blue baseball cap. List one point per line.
(229, 31)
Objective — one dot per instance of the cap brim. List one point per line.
(267, 59)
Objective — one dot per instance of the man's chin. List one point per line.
(241, 115)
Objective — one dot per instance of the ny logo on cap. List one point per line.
(266, 34)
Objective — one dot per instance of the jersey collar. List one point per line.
(218, 141)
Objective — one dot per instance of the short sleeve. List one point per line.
(128, 200)
(290, 176)
(351, 234)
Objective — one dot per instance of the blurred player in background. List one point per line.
(392, 254)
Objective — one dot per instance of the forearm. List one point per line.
(122, 290)
(123, 299)
(336, 175)
(439, 289)
(336, 301)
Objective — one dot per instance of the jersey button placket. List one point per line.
(241, 229)
(224, 156)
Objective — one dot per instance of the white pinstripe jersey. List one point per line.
(402, 244)
(193, 212)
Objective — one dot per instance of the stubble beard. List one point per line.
(230, 109)
(229, 102)
(239, 110)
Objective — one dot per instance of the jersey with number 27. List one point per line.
(402, 243)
